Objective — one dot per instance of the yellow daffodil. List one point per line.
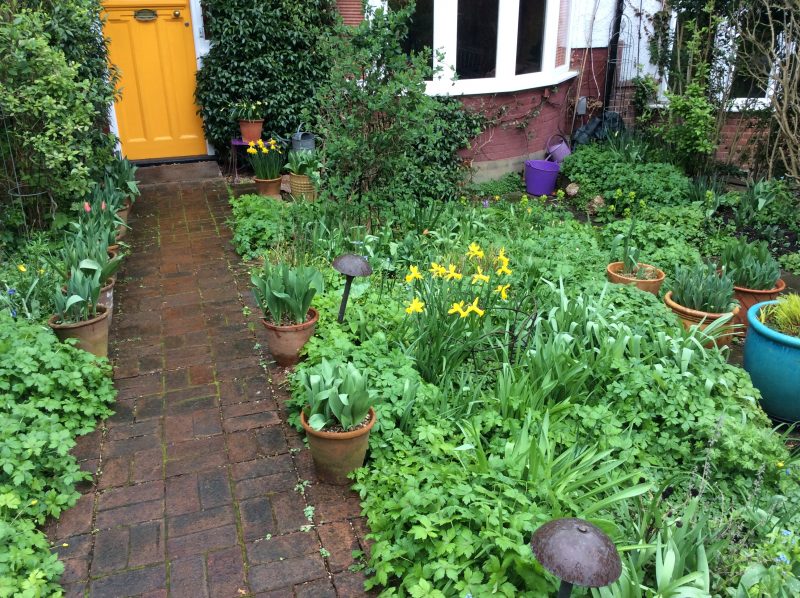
(264, 150)
(415, 307)
(251, 144)
(458, 308)
(252, 150)
(504, 269)
(452, 274)
(503, 290)
(22, 268)
(413, 274)
(437, 270)
(260, 143)
(473, 308)
(479, 276)
(475, 251)
(497, 198)
(502, 255)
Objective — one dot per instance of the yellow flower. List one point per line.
(260, 143)
(475, 251)
(437, 270)
(415, 307)
(502, 255)
(413, 274)
(452, 274)
(264, 150)
(34, 502)
(504, 269)
(503, 290)
(779, 464)
(497, 198)
(252, 144)
(473, 307)
(22, 268)
(503, 260)
(41, 270)
(458, 308)
(252, 150)
(479, 276)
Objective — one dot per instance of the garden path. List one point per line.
(197, 475)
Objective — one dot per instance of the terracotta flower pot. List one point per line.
(269, 187)
(747, 298)
(285, 342)
(92, 334)
(690, 317)
(107, 298)
(251, 129)
(123, 215)
(649, 285)
(301, 186)
(336, 454)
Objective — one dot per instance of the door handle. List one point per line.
(176, 14)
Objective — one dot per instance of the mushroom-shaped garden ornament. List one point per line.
(576, 552)
(350, 265)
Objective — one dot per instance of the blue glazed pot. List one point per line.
(773, 362)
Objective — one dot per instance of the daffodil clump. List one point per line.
(266, 158)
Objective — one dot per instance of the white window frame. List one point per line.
(445, 41)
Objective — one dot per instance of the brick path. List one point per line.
(197, 473)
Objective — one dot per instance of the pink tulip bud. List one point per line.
(103, 206)
(86, 207)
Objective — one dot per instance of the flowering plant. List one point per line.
(247, 110)
(266, 158)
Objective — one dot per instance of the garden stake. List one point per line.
(350, 265)
(577, 553)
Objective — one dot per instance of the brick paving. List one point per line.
(195, 492)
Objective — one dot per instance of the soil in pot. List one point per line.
(285, 342)
(337, 454)
(650, 284)
(747, 298)
(268, 187)
(92, 334)
(690, 317)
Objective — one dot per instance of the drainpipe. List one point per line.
(613, 46)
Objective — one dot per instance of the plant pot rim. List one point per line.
(764, 330)
(251, 120)
(616, 267)
(310, 321)
(708, 315)
(278, 178)
(109, 285)
(339, 435)
(779, 286)
(102, 315)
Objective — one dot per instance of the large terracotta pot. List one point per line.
(651, 285)
(336, 454)
(747, 298)
(92, 334)
(285, 342)
(107, 298)
(251, 129)
(690, 317)
(301, 186)
(268, 187)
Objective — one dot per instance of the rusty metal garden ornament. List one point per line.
(351, 266)
(576, 552)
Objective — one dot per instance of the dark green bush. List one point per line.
(271, 51)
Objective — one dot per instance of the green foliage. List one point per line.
(791, 262)
(751, 265)
(645, 92)
(272, 52)
(27, 280)
(386, 140)
(703, 288)
(599, 171)
(336, 394)
(247, 110)
(509, 183)
(258, 223)
(266, 158)
(79, 301)
(50, 393)
(303, 162)
(284, 293)
(783, 316)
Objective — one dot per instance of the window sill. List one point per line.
(445, 87)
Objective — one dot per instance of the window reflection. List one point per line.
(476, 51)
(530, 36)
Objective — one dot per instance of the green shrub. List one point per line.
(258, 223)
(509, 183)
(272, 52)
(599, 171)
(27, 280)
(50, 392)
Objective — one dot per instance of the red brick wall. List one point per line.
(738, 139)
(352, 11)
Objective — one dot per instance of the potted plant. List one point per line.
(756, 275)
(772, 355)
(303, 167)
(701, 295)
(267, 162)
(79, 314)
(122, 173)
(337, 418)
(284, 294)
(629, 270)
(251, 119)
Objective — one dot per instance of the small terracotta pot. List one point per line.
(107, 298)
(285, 342)
(336, 454)
(122, 230)
(649, 285)
(269, 187)
(690, 317)
(301, 186)
(92, 334)
(251, 129)
(747, 298)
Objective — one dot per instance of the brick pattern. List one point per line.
(195, 492)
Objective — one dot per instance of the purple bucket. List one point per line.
(557, 151)
(540, 177)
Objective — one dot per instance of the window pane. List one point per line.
(563, 33)
(530, 36)
(476, 54)
(420, 29)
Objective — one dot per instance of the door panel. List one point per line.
(156, 115)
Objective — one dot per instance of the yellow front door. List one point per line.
(153, 48)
